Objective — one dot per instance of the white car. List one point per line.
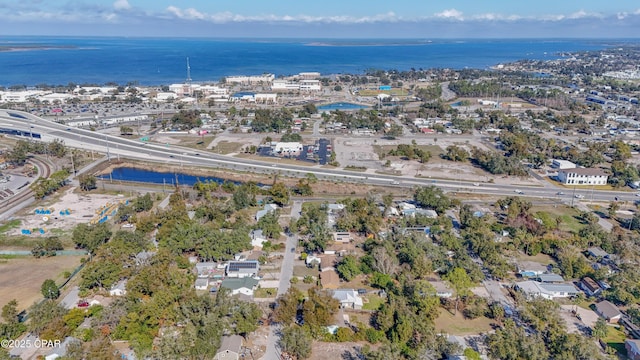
(517, 191)
(579, 196)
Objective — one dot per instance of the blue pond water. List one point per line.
(155, 177)
(341, 106)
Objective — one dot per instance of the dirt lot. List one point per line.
(82, 209)
(21, 278)
(335, 350)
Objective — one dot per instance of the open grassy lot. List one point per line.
(539, 258)
(458, 325)
(615, 338)
(372, 302)
(21, 277)
(227, 147)
(193, 141)
(392, 92)
(568, 216)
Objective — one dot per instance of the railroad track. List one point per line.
(24, 191)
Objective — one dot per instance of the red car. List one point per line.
(83, 303)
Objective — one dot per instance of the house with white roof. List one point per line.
(533, 289)
(348, 298)
(119, 288)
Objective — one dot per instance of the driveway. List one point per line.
(286, 272)
(70, 301)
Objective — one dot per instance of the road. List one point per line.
(176, 155)
(286, 272)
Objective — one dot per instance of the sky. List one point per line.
(424, 19)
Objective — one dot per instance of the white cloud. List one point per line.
(121, 5)
(450, 14)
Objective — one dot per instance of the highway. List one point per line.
(115, 146)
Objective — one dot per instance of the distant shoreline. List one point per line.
(15, 48)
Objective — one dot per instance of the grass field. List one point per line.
(615, 338)
(196, 142)
(392, 92)
(21, 277)
(227, 147)
(372, 302)
(265, 293)
(458, 325)
(565, 213)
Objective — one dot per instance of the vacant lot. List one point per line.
(458, 325)
(21, 277)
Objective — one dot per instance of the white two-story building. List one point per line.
(582, 176)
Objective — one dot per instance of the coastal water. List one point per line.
(28, 60)
(155, 177)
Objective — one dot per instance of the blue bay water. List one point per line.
(156, 61)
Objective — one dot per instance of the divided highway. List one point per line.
(134, 149)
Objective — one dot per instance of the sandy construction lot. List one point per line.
(22, 277)
(82, 209)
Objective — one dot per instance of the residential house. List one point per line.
(608, 311)
(531, 269)
(312, 261)
(597, 252)
(533, 289)
(230, 348)
(590, 287)
(268, 208)
(257, 238)
(342, 237)
(202, 284)
(550, 278)
(240, 269)
(327, 261)
(245, 286)
(582, 176)
(442, 289)
(119, 288)
(60, 350)
(329, 279)
(431, 214)
(407, 209)
(204, 269)
(348, 298)
(633, 349)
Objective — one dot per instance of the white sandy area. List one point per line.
(82, 210)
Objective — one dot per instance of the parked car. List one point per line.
(83, 303)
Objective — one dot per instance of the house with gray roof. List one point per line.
(608, 311)
(268, 208)
(230, 348)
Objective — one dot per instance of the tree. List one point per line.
(600, 329)
(393, 131)
(279, 194)
(460, 282)
(87, 182)
(296, 341)
(348, 268)
(49, 289)
(287, 306)
(432, 197)
(269, 225)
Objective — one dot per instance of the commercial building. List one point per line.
(582, 176)
(562, 164)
